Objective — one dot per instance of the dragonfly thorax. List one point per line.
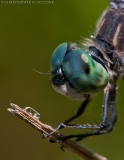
(110, 36)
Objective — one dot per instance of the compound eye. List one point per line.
(58, 56)
(76, 63)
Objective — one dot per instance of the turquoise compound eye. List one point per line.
(56, 62)
(75, 66)
(58, 55)
(84, 74)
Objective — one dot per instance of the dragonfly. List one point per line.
(80, 71)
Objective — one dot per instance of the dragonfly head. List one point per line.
(73, 66)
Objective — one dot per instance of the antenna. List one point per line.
(41, 72)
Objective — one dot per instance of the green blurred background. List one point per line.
(28, 35)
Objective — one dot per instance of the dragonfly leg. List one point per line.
(102, 125)
(79, 112)
(109, 125)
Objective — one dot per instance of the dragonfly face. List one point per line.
(79, 74)
(76, 73)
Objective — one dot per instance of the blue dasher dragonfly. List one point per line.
(80, 72)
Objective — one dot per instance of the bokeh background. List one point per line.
(28, 35)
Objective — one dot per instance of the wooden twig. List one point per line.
(30, 116)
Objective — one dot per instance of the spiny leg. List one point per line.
(113, 117)
(79, 112)
(109, 126)
(104, 115)
(102, 125)
(113, 114)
